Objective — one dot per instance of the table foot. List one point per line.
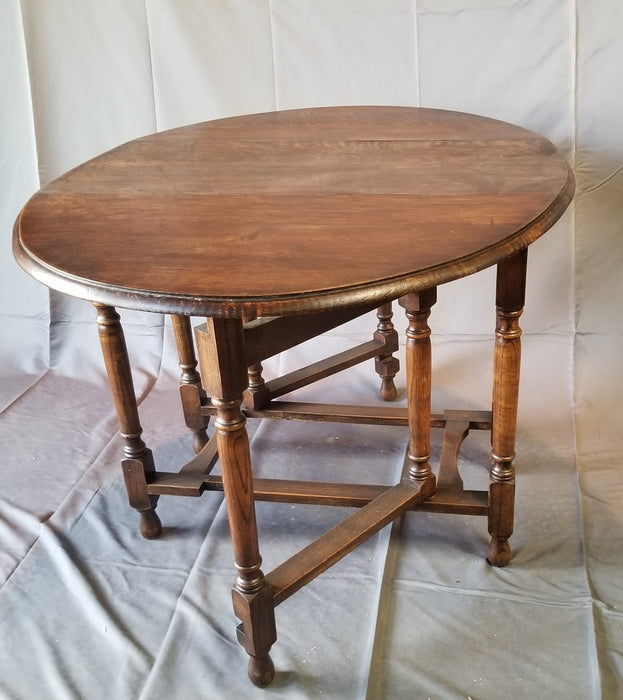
(388, 389)
(501, 513)
(257, 632)
(135, 475)
(200, 440)
(261, 670)
(150, 525)
(499, 551)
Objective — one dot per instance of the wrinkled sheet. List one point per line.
(88, 609)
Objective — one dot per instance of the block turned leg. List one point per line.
(386, 365)
(510, 295)
(221, 359)
(138, 460)
(257, 395)
(418, 364)
(191, 391)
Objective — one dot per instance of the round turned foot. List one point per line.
(499, 552)
(150, 525)
(388, 389)
(261, 670)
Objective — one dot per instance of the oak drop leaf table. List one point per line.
(274, 228)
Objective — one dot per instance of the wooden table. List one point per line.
(275, 228)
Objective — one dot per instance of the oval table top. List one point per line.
(293, 211)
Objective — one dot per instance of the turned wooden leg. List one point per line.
(138, 462)
(418, 364)
(191, 391)
(386, 365)
(257, 395)
(221, 357)
(510, 294)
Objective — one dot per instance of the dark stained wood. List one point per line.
(331, 413)
(191, 391)
(386, 364)
(224, 371)
(324, 368)
(347, 413)
(448, 476)
(510, 295)
(418, 361)
(217, 349)
(329, 548)
(347, 495)
(464, 502)
(205, 460)
(138, 462)
(257, 631)
(277, 227)
(256, 394)
(265, 337)
(308, 492)
(303, 190)
(222, 363)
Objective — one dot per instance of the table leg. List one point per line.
(221, 358)
(257, 395)
(191, 391)
(418, 364)
(510, 295)
(138, 460)
(386, 366)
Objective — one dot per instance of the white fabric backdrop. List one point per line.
(78, 77)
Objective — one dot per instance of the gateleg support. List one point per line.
(191, 391)
(386, 365)
(257, 395)
(222, 359)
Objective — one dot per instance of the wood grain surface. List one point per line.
(293, 211)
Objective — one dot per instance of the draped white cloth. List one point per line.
(90, 610)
